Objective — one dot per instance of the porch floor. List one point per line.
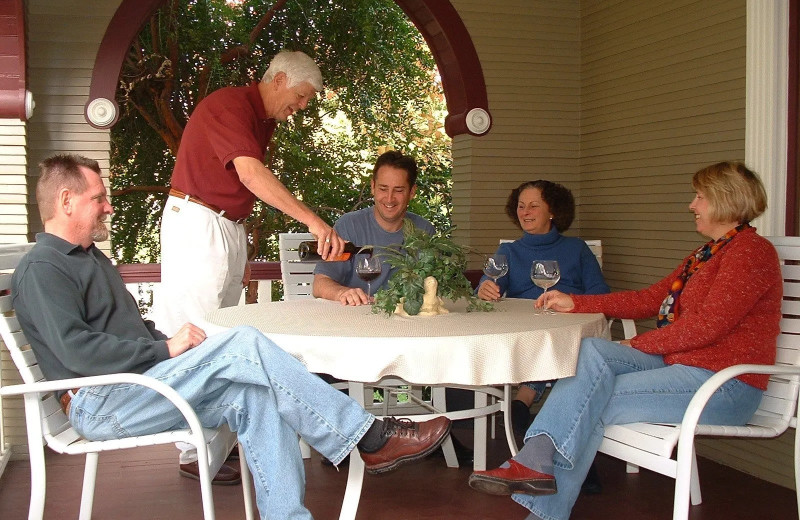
(143, 483)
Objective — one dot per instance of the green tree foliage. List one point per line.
(380, 93)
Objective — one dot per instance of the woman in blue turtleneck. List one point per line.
(543, 210)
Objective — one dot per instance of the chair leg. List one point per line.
(797, 465)
(305, 449)
(694, 490)
(38, 481)
(247, 484)
(89, 480)
(36, 453)
(205, 478)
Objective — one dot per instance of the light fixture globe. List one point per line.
(478, 121)
(30, 104)
(101, 112)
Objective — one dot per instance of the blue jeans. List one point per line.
(616, 384)
(265, 395)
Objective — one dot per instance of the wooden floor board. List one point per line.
(143, 484)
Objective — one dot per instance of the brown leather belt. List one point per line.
(220, 212)
(66, 398)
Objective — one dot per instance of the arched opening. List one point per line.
(437, 21)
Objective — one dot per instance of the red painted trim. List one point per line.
(437, 20)
(13, 63)
(452, 48)
(142, 273)
(792, 174)
(120, 33)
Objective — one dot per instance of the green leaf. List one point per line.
(420, 256)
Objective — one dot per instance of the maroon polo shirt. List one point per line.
(230, 122)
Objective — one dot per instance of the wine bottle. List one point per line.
(307, 251)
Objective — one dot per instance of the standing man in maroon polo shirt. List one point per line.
(219, 173)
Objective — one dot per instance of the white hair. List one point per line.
(297, 66)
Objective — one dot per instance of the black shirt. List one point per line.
(77, 314)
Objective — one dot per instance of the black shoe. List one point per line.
(520, 417)
(464, 455)
(591, 484)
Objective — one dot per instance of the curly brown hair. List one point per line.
(557, 197)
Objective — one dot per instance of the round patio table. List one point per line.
(476, 350)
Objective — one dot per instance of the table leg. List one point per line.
(506, 408)
(439, 402)
(479, 445)
(355, 474)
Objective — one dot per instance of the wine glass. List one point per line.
(545, 274)
(495, 266)
(368, 268)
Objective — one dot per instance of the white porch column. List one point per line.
(766, 131)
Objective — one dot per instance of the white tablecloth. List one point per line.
(509, 345)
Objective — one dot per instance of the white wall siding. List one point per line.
(60, 61)
(663, 95)
(13, 185)
(530, 55)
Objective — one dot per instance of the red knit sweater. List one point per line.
(730, 310)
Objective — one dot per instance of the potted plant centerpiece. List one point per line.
(425, 257)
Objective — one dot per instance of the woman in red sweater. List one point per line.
(720, 307)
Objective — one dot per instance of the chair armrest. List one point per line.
(110, 379)
(692, 417)
(707, 389)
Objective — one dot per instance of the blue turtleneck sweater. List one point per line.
(580, 272)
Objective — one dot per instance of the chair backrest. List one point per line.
(596, 247)
(297, 276)
(54, 422)
(780, 399)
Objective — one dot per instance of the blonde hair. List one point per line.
(297, 66)
(734, 193)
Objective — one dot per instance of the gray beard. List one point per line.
(100, 233)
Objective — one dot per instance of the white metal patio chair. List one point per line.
(47, 424)
(651, 445)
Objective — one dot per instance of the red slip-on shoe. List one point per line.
(514, 479)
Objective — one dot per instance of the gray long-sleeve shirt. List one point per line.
(77, 314)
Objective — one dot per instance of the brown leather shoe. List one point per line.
(407, 441)
(514, 479)
(226, 476)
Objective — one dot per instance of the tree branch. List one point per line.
(243, 50)
(143, 189)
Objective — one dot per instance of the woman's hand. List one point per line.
(555, 300)
(489, 291)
